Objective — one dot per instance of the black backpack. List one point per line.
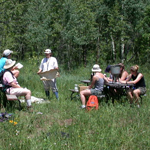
(4, 87)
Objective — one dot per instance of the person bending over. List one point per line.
(97, 83)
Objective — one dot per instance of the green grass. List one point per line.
(64, 126)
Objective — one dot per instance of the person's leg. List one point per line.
(22, 92)
(130, 95)
(46, 88)
(54, 88)
(136, 94)
(83, 95)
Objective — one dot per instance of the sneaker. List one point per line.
(82, 107)
(138, 106)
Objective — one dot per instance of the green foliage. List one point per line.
(77, 31)
(64, 126)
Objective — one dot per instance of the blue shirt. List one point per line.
(2, 63)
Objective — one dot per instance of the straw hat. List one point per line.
(9, 63)
(96, 68)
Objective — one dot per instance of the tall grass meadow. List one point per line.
(64, 126)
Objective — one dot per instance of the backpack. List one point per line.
(92, 103)
(4, 87)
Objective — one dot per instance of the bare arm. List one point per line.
(15, 85)
(137, 79)
(124, 76)
(93, 82)
(128, 79)
(39, 71)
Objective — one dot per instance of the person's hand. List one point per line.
(119, 80)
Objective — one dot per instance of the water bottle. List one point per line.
(76, 87)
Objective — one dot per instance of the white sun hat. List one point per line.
(96, 68)
(9, 63)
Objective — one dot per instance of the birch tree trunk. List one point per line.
(113, 48)
(122, 40)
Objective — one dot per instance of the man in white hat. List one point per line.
(47, 64)
(7, 55)
(97, 83)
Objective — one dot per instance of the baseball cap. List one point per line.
(47, 51)
(7, 52)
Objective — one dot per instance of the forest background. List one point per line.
(79, 32)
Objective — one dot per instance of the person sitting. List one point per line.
(139, 82)
(7, 55)
(123, 72)
(108, 70)
(12, 85)
(97, 82)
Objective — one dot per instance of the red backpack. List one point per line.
(92, 103)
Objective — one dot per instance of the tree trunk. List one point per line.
(98, 50)
(122, 49)
(113, 48)
(84, 55)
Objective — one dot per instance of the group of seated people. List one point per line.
(98, 80)
(96, 87)
(10, 74)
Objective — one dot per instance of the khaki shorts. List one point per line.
(142, 90)
(95, 92)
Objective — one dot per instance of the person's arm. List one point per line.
(40, 67)
(55, 64)
(124, 76)
(107, 79)
(39, 71)
(136, 80)
(93, 82)
(15, 85)
(125, 81)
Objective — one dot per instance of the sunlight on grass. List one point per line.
(62, 125)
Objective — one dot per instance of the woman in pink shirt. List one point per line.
(12, 85)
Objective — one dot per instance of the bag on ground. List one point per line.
(92, 103)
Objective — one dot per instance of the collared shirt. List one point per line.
(48, 64)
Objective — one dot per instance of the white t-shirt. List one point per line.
(48, 64)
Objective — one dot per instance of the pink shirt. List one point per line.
(8, 78)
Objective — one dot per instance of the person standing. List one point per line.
(7, 55)
(48, 63)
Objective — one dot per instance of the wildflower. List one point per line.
(11, 121)
(15, 123)
(17, 132)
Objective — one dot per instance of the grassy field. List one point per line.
(64, 126)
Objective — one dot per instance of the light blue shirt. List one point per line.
(2, 63)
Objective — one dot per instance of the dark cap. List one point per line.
(108, 68)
